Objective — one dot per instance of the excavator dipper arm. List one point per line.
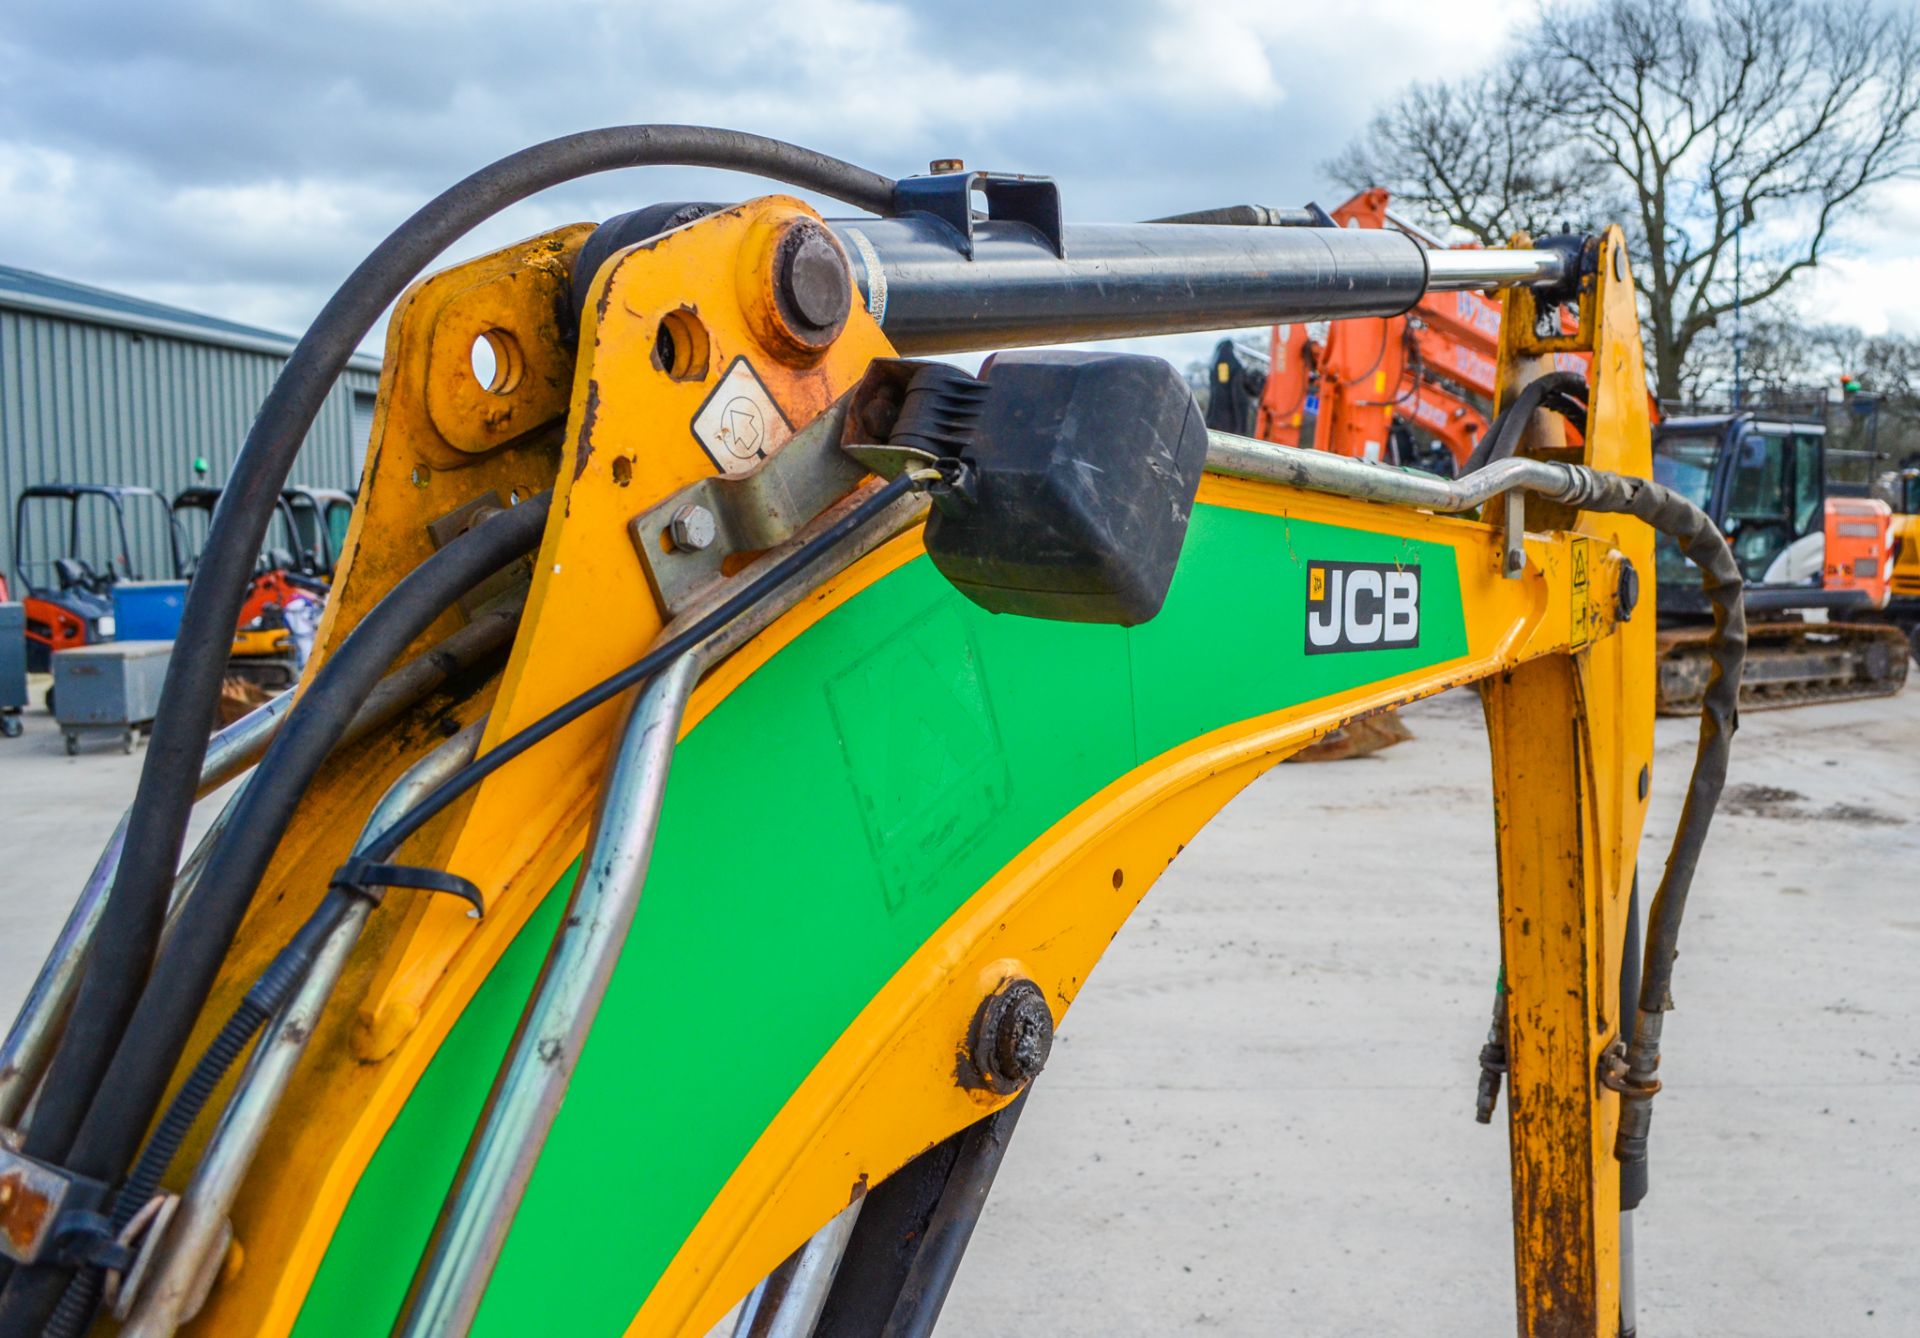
(811, 903)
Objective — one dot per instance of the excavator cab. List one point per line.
(1900, 489)
(292, 569)
(1763, 482)
(72, 543)
(1775, 494)
(319, 519)
(193, 516)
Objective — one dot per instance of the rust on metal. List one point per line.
(24, 1214)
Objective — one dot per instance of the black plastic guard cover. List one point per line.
(1086, 466)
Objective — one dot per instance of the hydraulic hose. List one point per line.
(137, 1075)
(1671, 514)
(131, 921)
(1668, 513)
(1564, 392)
(275, 985)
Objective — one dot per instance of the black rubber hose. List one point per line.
(277, 984)
(1669, 513)
(1565, 392)
(130, 923)
(163, 1018)
(266, 997)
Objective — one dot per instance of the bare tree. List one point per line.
(1475, 156)
(1751, 127)
(1784, 357)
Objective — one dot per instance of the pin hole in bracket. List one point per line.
(681, 347)
(497, 361)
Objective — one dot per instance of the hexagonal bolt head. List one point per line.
(691, 528)
(1011, 1038)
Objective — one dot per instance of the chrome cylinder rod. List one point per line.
(788, 1301)
(196, 1237)
(527, 1095)
(1449, 269)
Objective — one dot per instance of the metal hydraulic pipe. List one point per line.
(529, 1091)
(1120, 280)
(239, 745)
(788, 1301)
(194, 1239)
(30, 1040)
(1345, 476)
(571, 988)
(36, 1028)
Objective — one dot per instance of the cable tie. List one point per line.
(368, 879)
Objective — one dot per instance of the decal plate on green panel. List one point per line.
(820, 824)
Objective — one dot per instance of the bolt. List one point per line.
(939, 165)
(1012, 1036)
(1629, 590)
(814, 284)
(692, 528)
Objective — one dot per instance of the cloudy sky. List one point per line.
(238, 157)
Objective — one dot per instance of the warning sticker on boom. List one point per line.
(1362, 606)
(739, 425)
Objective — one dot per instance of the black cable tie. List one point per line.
(84, 1238)
(366, 879)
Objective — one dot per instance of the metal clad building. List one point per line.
(97, 387)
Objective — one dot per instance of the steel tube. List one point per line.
(555, 1030)
(36, 1028)
(527, 1095)
(1344, 476)
(30, 1040)
(200, 1225)
(788, 1301)
(239, 745)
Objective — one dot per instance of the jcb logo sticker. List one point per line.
(1362, 606)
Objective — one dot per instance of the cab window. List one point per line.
(1759, 501)
(1809, 485)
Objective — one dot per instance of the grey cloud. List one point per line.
(241, 157)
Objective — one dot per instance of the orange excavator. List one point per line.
(1413, 389)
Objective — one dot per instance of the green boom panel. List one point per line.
(820, 824)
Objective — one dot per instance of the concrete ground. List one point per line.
(1259, 1117)
(1259, 1120)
